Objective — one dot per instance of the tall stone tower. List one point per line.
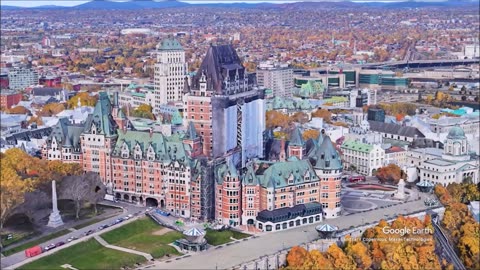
(170, 72)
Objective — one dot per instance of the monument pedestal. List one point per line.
(400, 194)
(55, 220)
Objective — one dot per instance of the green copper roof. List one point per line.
(177, 118)
(326, 156)
(456, 133)
(169, 44)
(296, 138)
(335, 99)
(357, 146)
(165, 148)
(310, 89)
(279, 174)
(225, 169)
(191, 132)
(102, 117)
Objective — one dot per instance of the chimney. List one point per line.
(151, 132)
(124, 128)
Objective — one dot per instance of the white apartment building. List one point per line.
(366, 158)
(277, 77)
(21, 78)
(170, 72)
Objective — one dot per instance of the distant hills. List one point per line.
(150, 4)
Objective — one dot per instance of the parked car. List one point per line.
(71, 238)
(130, 215)
(163, 213)
(59, 244)
(89, 232)
(50, 247)
(9, 236)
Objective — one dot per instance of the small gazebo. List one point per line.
(194, 240)
(326, 231)
(425, 186)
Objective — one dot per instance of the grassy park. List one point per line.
(217, 238)
(86, 255)
(144, 235)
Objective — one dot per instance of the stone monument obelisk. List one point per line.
(55, 219)
(400, 194)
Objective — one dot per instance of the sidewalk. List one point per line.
(107, 245)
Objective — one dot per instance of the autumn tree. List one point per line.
(276, 119)
(339, 259)
(12, 187)
(310, 134)
(390, 173)
(143, 111)
(359, 252)
(299, 117)
(51, 109)
(85, 100)
(18, 110)
(324, 114)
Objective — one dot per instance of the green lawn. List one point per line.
(86, 255)
(217, 238)
(139, 235)
(35, 242)
(17, 236)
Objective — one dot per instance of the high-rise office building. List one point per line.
(277, 77)
(170, 72)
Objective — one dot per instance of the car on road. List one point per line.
(71, 238)
(89, 232)
(50, 247)
(60, 244)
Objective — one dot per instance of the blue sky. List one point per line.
(35, 3)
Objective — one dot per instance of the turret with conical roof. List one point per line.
(191, 138)
(296, 146)
(325, 156)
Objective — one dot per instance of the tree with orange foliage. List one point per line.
(390, 173)
(299, 117)
(18, 110)
(276, 119)
(339, 259)
(296, 257)
(324, 114)
(359, 252)
(51, 109)
(310, 134)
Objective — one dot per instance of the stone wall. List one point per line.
(279, 259)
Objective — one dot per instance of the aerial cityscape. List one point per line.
(175, 134)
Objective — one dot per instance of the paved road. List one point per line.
(230, 256)
(20, 256)
(447, 247)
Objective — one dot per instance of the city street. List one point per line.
(269, 243)
(128, 209)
